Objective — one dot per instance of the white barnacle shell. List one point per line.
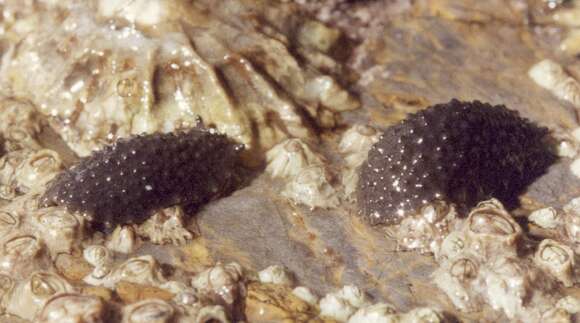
(101, 258)
(572, 222)
(354, 296)
(144, 12)
(39, 168)
(59, 229)
(547, 218)
(73, 308)
(329, 93)
(312, 188)
(166, 226)
(305, 294)
(212, 313)
(455, 277)
(356, 142)
(30, 295)
(426, 230)
(140, 270)
(123, 240)
(569, 303)
(276, 274)
(377, 313)
(148, 311)
(508, 283)
(489, 225)
(423, 315)
(551, 76)
(342, 304)
(288, 158)
(336, 307)
(221, 281)
(9, 221)
(22, 254)
(557, 259)
(355, 145)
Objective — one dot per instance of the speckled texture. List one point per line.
(460, 152)
(125, 182)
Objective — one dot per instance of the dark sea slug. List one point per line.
(125, 182)
(458, 152)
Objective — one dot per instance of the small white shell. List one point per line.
(288, 158)
(557, 259)
(354, 296)
(59, 229)
(148, 311)
(144, 12)
(305, 294)
(423, 315)
(342, 304)
(30, 295)
(358, 139)
(491, 226)
(312, 188)
(551, 76)
(39, 168)
(21, 255)
(546, 218)
(101, 258)
(123, 240)
(569, 303)
(336, 307)
(575, 167)
(426, 230)
(166, 226)
(221, 281)
(355, 145)
(276, 274)
(73, 308)
(214, 313)
(377, 313)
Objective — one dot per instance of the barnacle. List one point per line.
(156, 66)
(557, 259)
(480, 262)
(290, 157)
(276, 275)
(340, 305)
(149, 310)
(221, 284)
(74, 308)
(305, 294)
(125, 182)
(551, 76)
(354, 145)
(30, 295)
(460, 152)
(123, 240)
(312, 187)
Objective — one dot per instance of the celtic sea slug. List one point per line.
(126, 181)
(457, 152)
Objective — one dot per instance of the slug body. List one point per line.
(458, 152)
(127, 181)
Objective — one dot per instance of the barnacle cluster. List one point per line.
(481, 263)
(109, 69)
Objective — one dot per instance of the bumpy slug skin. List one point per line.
(459, 152)
(125, 182)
